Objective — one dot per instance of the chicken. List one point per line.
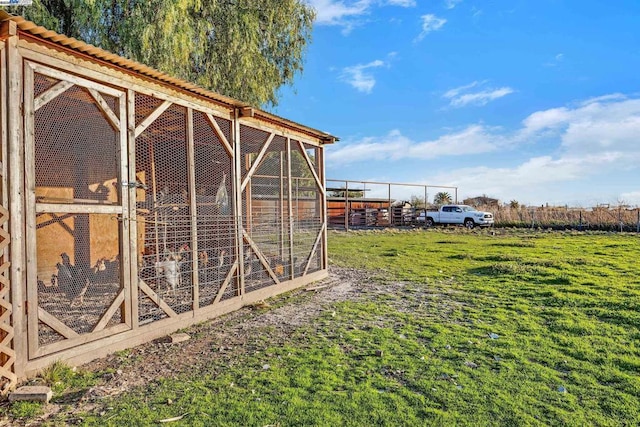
(72, 279)
(204, 271)
(169, 268)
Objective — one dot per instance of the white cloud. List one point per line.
(581, 142)
(358, 76)
(402, 3)
(556, 60)
(332, 12)
(348, 13)
(480, 98)
(474, 139)
(631, 198)
(461, 96)
(450, 4)
(430, 23)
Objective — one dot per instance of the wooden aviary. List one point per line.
(135, 203)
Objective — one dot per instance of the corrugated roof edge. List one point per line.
(144, 70)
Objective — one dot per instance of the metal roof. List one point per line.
(79, 47)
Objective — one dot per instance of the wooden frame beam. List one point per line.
(257, 161)
(148, 121)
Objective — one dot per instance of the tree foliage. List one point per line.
(246, 49)
(442, 198)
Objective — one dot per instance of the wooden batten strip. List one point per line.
(220, 134)
(312, 168)
(156, 299)
(257, 162)
(51, 94)
(106, 317)
(61, 75)
(315, 248)
(261, 257)
(55, 324)
(106, 110)
(226, 282)
(152, 117)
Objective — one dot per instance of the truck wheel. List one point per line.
(469, 223)
(430, 222)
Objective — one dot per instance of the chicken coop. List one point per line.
(135, 204)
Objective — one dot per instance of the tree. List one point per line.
(514, 204)
(352, 194)
(246, 49)
(417, 201)
(442, 198)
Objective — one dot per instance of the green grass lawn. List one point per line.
(476, 329)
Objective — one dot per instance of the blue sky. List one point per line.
(535, 101)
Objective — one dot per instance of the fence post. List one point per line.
(346, 205)
(580, 227)
(638, 223)
(533, 218)
(620, 218)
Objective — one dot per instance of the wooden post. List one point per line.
(7, 335)
(580, 227)
(131, 296)
(281, 235)
(290, 210)
(191, 173)
(323, 211)
(237, 192)
(346, 205)
(15, 168)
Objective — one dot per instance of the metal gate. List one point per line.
(77, 210)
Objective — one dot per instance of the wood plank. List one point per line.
(148, 121)
(257, 161)
(131, 285)
(312, 168)
(263, 260)
(15, 167)
(106, 317)
(77, 209)
(290, 221)
(226, 282)
(75, 201)
(93, 70)
(106, 110)
(30, 202)
(280, 130)
(124, 231)
(325, 219)
(237, 192)
(313, 250)
(80, 81)
(55, 324)
(220, 134)
(191, 158)
(156, 298)
(52, 93)
(73, 345)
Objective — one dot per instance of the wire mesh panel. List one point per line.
(215, 211)
(76, 155)
(265, 209)
(78, 273)
(307, 211)
(76, 150)
(165, 261)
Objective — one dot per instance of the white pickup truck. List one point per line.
(456, 214)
